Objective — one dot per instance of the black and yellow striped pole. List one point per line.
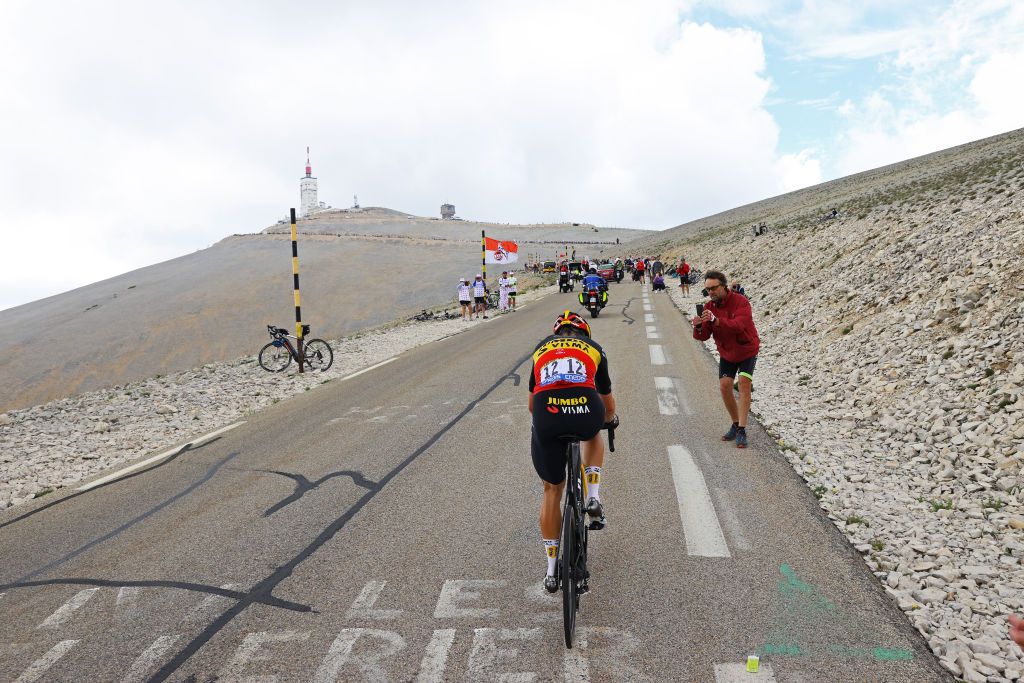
(483, 254)
(295, 279)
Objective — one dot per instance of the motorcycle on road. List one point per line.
(594, 299)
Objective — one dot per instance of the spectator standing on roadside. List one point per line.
(503, 291)
(738, 288)
(729, 319)
(513, 285)
(657, 266)
(640, 268)
(480, 296)
(464, 298)
(684, 276)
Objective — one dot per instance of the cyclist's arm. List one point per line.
(533, 383)
(603, 382)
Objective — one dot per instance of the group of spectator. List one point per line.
(473, 295)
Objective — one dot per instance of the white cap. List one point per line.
(479, 275)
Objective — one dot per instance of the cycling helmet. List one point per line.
(567, 317)
(593, 270)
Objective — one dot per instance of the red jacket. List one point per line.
(733, 330)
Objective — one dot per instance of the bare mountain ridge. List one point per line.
(854, 194)
(358, 270)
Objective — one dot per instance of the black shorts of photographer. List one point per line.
(728, 318)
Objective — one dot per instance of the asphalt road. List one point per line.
(384, 527)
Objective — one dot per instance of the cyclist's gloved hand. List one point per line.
(612, 423)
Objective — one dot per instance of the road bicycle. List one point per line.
(278, 354)
(573, 575)
(426, 316)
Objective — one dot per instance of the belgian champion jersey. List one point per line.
(569, 363)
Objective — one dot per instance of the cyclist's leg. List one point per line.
(549, 461)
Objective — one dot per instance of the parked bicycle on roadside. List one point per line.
(279, 353)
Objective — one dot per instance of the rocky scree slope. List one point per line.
(892, 374)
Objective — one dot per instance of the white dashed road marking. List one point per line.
(65, 611)
(657, 354)
(43, 664)
(648, 317)
(647, 307)
(652, 332)
(668, 399)
(147, 661)
(704, 537)
(737, 673)
(148, 461)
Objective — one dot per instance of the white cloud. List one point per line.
(136, 132)
(884, 128)
(798, 170)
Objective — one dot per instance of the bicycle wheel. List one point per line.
(319, 355)
(274, 358)
(570, 544)
(567, 569)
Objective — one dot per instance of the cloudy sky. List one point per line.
(133, 132)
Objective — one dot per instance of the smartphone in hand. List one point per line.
(700, 310)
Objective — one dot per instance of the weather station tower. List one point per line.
(307, 190)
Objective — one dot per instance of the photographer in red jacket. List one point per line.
(729, 319)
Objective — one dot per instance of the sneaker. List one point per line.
(551, 584)
(596, 513)
(731, 434)
(741, 438)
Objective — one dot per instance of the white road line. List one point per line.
(65, 611)
(731, 521)
(653, 335)
(657, 354)
(43, 664)
(737, 673)
(647, 307)
(148, 461)
(372, 367)
(703, 534)
(148, 660)
(668, 398)
(648, 317)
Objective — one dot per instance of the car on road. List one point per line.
(607, 271)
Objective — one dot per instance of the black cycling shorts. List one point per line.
(557, 413)
(512, 292)
(745, 367)
(464, 303)
(480, 299)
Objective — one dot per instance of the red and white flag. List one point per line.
(496, 251)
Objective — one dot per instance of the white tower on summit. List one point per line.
(307, 190)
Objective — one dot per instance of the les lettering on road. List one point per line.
(377, 653)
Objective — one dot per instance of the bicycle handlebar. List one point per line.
(610, 426)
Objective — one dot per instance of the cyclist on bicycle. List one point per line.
(570, 385)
